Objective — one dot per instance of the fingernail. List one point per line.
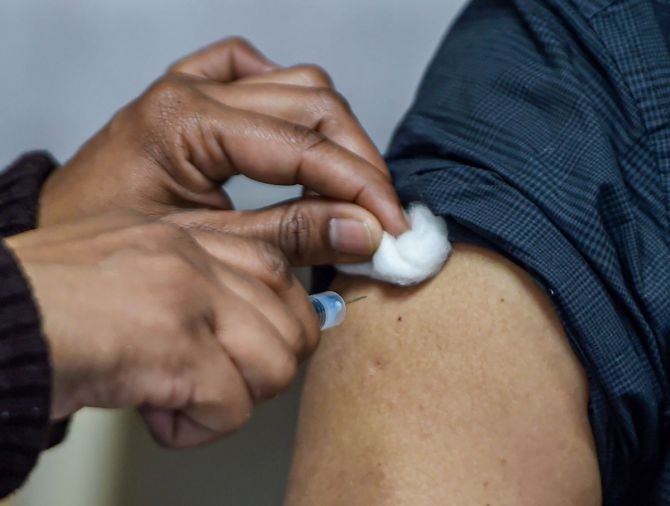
(350, 236)
(404, 222)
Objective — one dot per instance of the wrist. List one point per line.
(65, 380)
(54, 205)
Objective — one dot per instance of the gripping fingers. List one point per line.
(208, 141)
(219, 403)
(322, 109)
(275, 151)
(256, 347)
(270, 308)
(264, 262)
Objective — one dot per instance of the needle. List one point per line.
(355, 299)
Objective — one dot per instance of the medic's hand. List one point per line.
(223, 111)
(192, 327)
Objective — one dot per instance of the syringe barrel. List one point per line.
(330, 309)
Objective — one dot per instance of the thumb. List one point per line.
(309, 231)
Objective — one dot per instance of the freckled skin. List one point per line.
(469, 401)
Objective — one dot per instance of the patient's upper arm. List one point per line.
(463, 391)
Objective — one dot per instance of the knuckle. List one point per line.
(297, 233)
(164, 108)
(164, 96)
(237, 42)
(295, 336)
(304, 138)
(333, 102)
(239, 415)
(277, 265)
(284, 371)
(314, 75)
(178, 390)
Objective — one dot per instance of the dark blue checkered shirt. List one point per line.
(542, 130)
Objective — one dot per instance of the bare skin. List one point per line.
(462, 391)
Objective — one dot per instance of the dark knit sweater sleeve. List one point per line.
(20, 187)
(25, 375)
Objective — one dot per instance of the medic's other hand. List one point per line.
(191, 327)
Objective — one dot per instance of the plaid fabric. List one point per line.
(542, 129)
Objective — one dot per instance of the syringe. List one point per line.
(330, 308)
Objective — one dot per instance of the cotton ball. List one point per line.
(412, 257)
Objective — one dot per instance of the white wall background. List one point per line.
(68, 65)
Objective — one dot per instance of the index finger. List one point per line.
(225, 61)
(322, 109)
(275, 151)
